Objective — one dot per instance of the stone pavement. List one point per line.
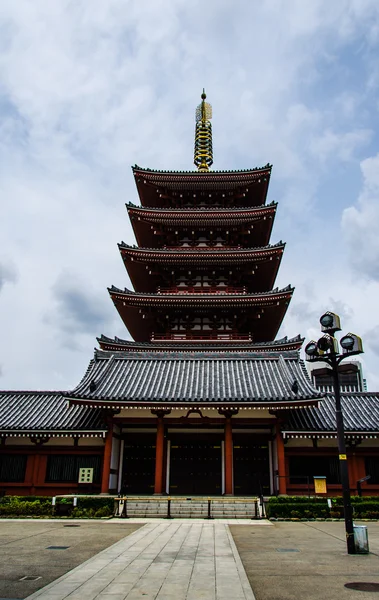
(31, 554)
(306, 560)
(164, 560)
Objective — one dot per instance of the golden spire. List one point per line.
(203, 157)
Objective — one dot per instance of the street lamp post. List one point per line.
(326, 350)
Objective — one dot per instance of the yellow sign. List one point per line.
(320, 485)
(343, 457)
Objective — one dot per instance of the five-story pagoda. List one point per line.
(203, 272)
(192, 404)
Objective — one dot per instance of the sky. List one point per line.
(88, 89)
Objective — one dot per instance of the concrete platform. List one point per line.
(163, 560)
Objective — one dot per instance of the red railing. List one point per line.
(190, 337)
(202, 290)
(205, 248)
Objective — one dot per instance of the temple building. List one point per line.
(204, 400)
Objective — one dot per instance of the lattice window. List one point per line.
(302, 468)
(13, 467)
(372, 468)
(65, 467)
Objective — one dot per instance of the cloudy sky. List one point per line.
(89, 88)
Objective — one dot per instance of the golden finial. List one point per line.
(203, 157)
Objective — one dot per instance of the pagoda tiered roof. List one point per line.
(258, 221)
(173, 380)
(202, 215)
(282, 345)
(145, 265)
(156, 187)
(264, 311)
(211, 255)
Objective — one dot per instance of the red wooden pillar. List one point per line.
(228, 450)
(281, 461)
(159, 452)
(35, 472)
(352, 467)
(29, 469)
(357, 469)
(107, 459)
(228, 456)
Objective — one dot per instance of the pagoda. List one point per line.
(203, 270)
(203, 315)
(204, 400)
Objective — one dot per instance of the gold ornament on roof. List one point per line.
(203, 156)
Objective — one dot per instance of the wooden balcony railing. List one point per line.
(190, 337)
(205, 248)
(211, 289)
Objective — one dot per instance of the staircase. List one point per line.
(188, 508)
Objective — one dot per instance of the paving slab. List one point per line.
(305, 560)
(163, 560)
(24, 550)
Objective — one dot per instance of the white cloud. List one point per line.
(87, 89)
(341, 146)
(360, 223)
(8, 273)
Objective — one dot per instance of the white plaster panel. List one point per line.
(25, 441)
(113, 481)
(369, 444)
(132, 413)
(83, 442)
(296, 443)
(115, 456)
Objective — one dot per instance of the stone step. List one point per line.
(182, 508)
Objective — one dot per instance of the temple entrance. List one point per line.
(139, 464)
(195, 465)
(251, 465)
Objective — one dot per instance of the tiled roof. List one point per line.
(140, 298)
(46, 412)
(137, 168)
(204, 210)
(360, 413)
(198, 181)
(203, 213)
(268, 379)
(236, 254)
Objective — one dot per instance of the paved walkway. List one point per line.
(176, 560)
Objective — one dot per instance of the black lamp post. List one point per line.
(326, 350)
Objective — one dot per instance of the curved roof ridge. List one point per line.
(273, 292)
(202, 209)
(198, 249)
(251, 170)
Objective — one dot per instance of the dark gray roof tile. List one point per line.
(46, 412)
(185, 377)
(360, 412)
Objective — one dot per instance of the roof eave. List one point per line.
(327, 434)
(120, 403)
(53, 432)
